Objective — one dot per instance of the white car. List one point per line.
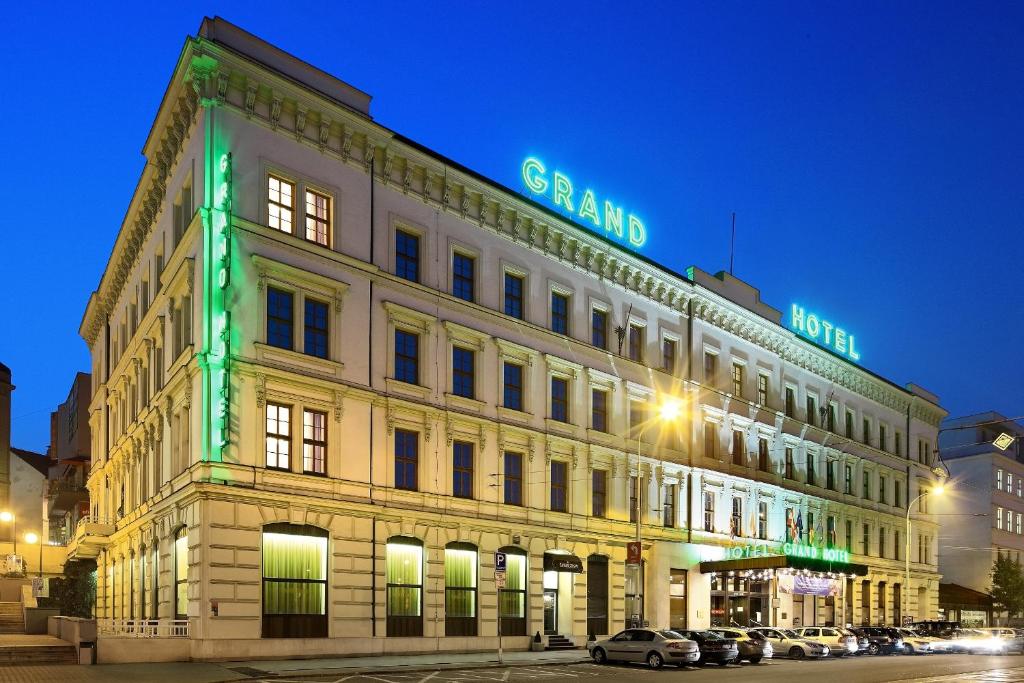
(839, 642)
(786, 643)
(1007, 638)
(916, 644)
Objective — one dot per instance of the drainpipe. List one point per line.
(369, 381)
(689, 454)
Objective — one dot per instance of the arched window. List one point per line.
(405, 586)
(294, 581)
(181, 574)
(512, 598)
(460, 589)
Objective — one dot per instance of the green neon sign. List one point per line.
(823, 333)
(585, 207)
(813, 552)
(217, 340)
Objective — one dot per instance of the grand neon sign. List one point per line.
(823, 332)
(789, 549)
(559, 190)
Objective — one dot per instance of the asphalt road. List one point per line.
(919, 669)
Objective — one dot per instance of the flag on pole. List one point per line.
(799, 525)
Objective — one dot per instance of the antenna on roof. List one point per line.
(732, 243)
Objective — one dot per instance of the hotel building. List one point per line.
(334, 373)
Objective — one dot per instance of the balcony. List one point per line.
(65, 493)
(142, 628)
(89, 538)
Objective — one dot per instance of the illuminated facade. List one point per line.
(336, 372)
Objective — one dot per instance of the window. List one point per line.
(668, 356)
(599, 328)
(463, 375)
(830, 475)
(867, 486)
(278, 436)
(280, 199)
(881, 541)
(710, 440)
(637, 415)
(181, 574)
(999, 479)
(762, 389)
(513, 389)
(668, 507)
(866, 431)
(736, 518)
(559, 399)
(737, 379)
(789, 462)
(559, 313)
(710, 367)
(883, 438)
(404, 587)
(866, 539)
(559, 472)
(512, 598)
(1018, 523)
(831, 418)
(897, 494)
(314, 441)
(599, 410)
(634, 489)
(318, 217)
(407, 255)
(738, 456)
(896, 555)
(407, 458)
(830, 531)
(513, 478)
(598, 492)
(849, 536)
(514, 295)
(762, 520)
(709, 511)
(762, 454)
(294, 581)
(1020, 486)
(790, 406)
(407, 357)
(812, 410)
(460, 585)
(1009, 520)
(315, 329)
(462, 469)
(1009, 482)
(848, 480)
(279, 318)
(882, 493)
(897, 443)
(812, 477)
(849, 424)
(811, 531)
(636, 342)
(462, 276)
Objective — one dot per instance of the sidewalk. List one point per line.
(220, 672)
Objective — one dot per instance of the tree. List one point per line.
(1007, 585)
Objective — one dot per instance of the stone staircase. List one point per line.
(25, 650)
(12, 619)
(558, 642)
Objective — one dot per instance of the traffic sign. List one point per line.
(499, 580)
(633, 552)
(499, 562)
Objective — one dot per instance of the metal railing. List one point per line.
(142, 628)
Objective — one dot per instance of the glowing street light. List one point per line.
(936, 490)
(32, 538)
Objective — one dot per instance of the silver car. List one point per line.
(656, 647)
(788, 643)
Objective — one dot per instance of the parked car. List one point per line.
(653, 646)
(862, 641)
(916, 644)
(788, 643)
(752, 645)
(713, 647)
(996, 640)
(840, 644)
(881, 640)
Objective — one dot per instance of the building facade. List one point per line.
(985, 516)
(67, 498)
(335, 373)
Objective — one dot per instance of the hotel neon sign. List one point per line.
(558, 189)
(823, 333)
(789, 549)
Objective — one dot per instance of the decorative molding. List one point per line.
(261, 390)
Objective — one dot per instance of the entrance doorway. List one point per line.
(550, 611)
(677, 599)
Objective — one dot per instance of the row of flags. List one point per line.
(816, 534)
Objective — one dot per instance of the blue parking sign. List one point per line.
(499, 562)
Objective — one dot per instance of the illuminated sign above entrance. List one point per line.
(558, 189)
(811, 552)
(823, 333)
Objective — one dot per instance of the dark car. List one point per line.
(753, 647)
(713, 647)
(881, 640)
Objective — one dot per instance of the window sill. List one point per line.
(293, 360)
(456, 401)
(397, 386)
(558, 427)
(514, 415)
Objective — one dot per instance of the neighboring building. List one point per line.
(335, 372)
(69, 460)
(28, 479)
(984, 515)
(6, 388)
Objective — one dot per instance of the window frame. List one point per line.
(406, 360)
(602, 411)
(460, 281)
(596, 330)
(559, 498)
(290, 207)
(409, 463)
(508, 478)
(520, 299)
(560, 319)
(278, 320)
(599, 493)
(327, 222)
(403, 235)
(463, 472)
(463, 379)
(314, 443)
(517, 389)
(308, 329)
(563, 403)
(280, 437)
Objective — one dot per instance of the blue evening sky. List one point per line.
(872, 151)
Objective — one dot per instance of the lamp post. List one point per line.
(8, 517)
(668, 411)
(31, 538)
(938, 490)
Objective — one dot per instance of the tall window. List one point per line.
(634, 489)
(866, 540)
(668, 506)
(849, 424)
(636, 342)
(462, 469)
(710, 367)
(316, 329)
(462, 276)
(407, 357)
(999, 518)
(866, 431)
(831, 418)
(830, 475)
(812, 476)
(314, 441)
(407, 459)
(762, 389)
(513, 390)
(737, 379)
(599, 328)
(849, 536)
(710, 440)
(514, 295)
(460, 586)
(668, 356)
(762, 454)
(513, 478)
(762, 520)
(789, 462)
(280, 200)
(739, 457)
(812, 410)
(598, 492)
(848, 480)
(736, 518)
(404, 587)
(407, 255)
(559, 313)
(709, 511)
(559, 399)
(881, 542)
(897, 493)
(867, 485)
(181, 574)
(883, 438)
(318, 217)
(280, 319)
(512, 598)
(896, 545)
(830, 531)
(278, 436)
(294, 581)
(790, 402)
(559, 483)
(463, 375)
(882, 493)
(599, 410)
(999, 479)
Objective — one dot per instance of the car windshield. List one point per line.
(789, 634)
(710, 635)
(672, 635)
(755, 635)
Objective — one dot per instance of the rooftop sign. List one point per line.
(823, 333)
(585, 206)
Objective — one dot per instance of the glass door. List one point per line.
(550, 611)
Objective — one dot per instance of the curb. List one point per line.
(409, 668)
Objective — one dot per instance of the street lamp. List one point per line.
(7, 517)
(937, 490)
(669, 411)
(32, 538)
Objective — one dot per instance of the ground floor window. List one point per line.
(739, 599)
(512, 598)
(294, 581)
(677, 599)
(181, 574)
(634, 595)
(597, 595)
(405, 587)
(460, 589)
